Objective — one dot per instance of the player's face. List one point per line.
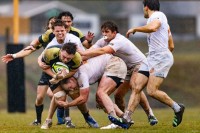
(71, 84)
(67, 20)
(51, 22)
(60, 33)
(145, 9)
(108, 34)
(65, 57)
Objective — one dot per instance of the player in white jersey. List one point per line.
(116, 44)
(68, 37)
(109, 70)
(160, 58)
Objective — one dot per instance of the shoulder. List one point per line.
(50, 54)
(76, 32)
(77, 61)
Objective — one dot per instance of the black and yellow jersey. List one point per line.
(51, 55)
(77, 33)
(45, 38)
(48, 36)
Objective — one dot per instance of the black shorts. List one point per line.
(44, 79)
(117, 80)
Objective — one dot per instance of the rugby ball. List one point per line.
(58, 66)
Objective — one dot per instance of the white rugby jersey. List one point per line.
(158, 41)
(124, 49)
(69, 38)
(92, 70)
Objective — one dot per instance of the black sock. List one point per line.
(86, 115)
(66, 112)
(39, 110)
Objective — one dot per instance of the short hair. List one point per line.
(67, 14)
(69, 47)
(47, 25)
(110, 25)
(153, 5)
(59, 22)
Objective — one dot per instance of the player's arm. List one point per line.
(87, 43)
(170, 41)
(81, 99)
(97, 51)
(153, 26)
(44, 63)
(23, 53)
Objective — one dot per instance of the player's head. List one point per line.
(67, 52)
(50, 22)
(152, 5)
(66, 17)
(109, 29)
(69, 84)
(59, 30)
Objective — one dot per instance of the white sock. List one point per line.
(150, 112)
(176, 107)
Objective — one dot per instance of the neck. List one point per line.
(150, 12)
(60, 41)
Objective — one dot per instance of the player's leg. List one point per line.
(59, 111)
(41, 92)
(153, 90)
(107, 86)
(59, 94)
(120, 94)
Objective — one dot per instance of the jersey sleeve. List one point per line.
(83, 81)
(115, 44)
(77, 61)
(46, 37)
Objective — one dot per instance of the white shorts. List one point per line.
(160, 63)
(116, 67)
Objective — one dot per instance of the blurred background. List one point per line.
(182, 84)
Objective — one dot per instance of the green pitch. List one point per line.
(19, 122)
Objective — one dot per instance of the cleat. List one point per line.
(111, 126)
(47, 124)
(178, 116)
(35, 123)
(120, 122)
(152, 120)
(91, 122)
(69, 123)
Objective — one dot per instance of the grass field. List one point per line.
(19, 122)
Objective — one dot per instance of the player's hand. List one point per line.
(54, 81)
(7, 58)
(30, 48)
(62, 104)
(89, 37)
(130, 31)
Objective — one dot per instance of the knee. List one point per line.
(39, 99)
(151, 92)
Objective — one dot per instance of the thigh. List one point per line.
(41, 90)
(107, 85)
(123, 89)
(154, 82)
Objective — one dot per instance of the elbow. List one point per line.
(171, 48)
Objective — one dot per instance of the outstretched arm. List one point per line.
(151, 27)
(23, 53)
